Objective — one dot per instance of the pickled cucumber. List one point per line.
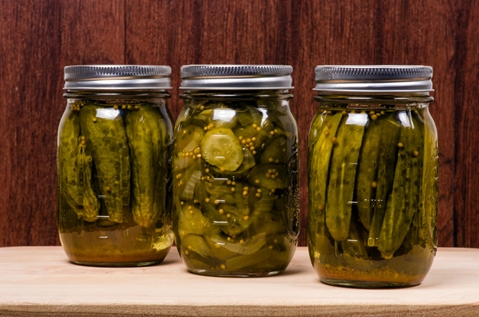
(220, 148)
(271, 176)
(240, 164)
(386, 165)
(113, 167)
(276, 151)
(146, 138)
(71, 189)
(403, 202)
(368, 171)
(429, 191)
(319, 171)
(342, 175)
(91, 205)
(366, 221)
(106, 139)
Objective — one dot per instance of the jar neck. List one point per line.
(236, 95)
(402, 98)
(116, 95)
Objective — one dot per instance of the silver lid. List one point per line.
(373, 78)
(236, 77)
(117, 77)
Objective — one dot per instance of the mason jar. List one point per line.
(372, 176)
(235, 170)
(114, 166)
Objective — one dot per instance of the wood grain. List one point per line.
(38, 38)
(38, 281)
(466, 136)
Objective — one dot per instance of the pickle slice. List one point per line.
(197, 244)
(221, 148)
(276, 151)
(188, 139)
(271, 176)
(192, 221)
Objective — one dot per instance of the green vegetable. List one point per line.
(386, 166)
(390, 239)
(146, 133)
(241, 262)
(240, 172)
(354, 246)
(276, 151)
(271, 176)
(403, 202)
(319, 171)
(220, 147)
(106, 139)
(429, 198)
(367, 172)
(114, 180)
(192, 221)
(91, 205)
(188, 139)
(232, 197)
(71, 187)
(343, 174)
(196, 243)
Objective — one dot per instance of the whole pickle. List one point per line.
(91, 205)
(106, 140)
(386, 164)
(342, 177)
(367, 172)
(71, 189)
(146, 133)
(429, 199)
(403, 202)
(320, 148)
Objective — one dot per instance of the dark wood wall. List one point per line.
(39, 37)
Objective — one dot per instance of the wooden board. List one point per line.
(39, 281)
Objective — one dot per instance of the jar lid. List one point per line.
(373, 78)
(117, 77)
(236, 77)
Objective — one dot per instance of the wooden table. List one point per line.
(39, 281)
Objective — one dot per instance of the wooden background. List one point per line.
(39, 37)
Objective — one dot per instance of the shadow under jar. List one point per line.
(372, 176)
(114, 165)
(236, 187)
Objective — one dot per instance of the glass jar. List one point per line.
(114, 165)
(235, 170)
(372, 176)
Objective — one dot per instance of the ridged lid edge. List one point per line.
(374, 78)
(235, 77)
(117, 77)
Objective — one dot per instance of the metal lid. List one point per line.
(236, 77)
(117, 77)
(373, 78)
